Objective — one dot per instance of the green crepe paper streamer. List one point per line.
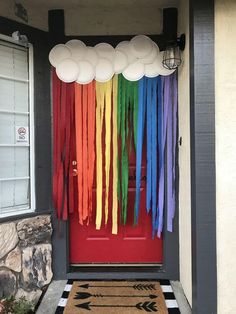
(123, 113)
(132, 111)
(127, 112)
(127, 86)
(119, 103)
(118, 131)
(124, 185)
(124, 154)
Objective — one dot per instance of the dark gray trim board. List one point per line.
(203, 182)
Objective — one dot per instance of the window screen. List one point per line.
(16, 130)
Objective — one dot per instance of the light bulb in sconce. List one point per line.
(172, 58)
(172, 54)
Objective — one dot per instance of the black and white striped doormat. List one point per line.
(167, 290)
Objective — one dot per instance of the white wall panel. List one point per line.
(225, 83)
(95, 17)
(184, 160)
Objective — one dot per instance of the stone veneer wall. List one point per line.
(25, 257)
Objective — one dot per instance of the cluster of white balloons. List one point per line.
(136, 58)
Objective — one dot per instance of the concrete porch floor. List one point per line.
(51, 298)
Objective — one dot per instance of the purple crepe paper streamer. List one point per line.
(165, 104)
(171, 153)
(169, 137)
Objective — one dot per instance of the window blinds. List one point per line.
(14, 130)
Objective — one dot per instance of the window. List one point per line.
(17, 194)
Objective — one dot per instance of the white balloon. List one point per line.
(156, 68)
(106, 51)
(77, 48)
(75, 43)
(67, 70)
(91, 56)
(120, 61)
(124, 46)
(58, 53)
(163, 71)
(141, 46)
(134, 71)
(152, 55)
(136, 58)
(153, 69)
(104, 70)
(86, 73)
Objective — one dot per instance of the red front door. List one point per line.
(131, 245)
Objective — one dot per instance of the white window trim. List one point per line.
(32, 206)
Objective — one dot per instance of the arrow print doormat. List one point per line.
(118, 297)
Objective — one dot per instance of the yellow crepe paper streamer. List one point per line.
(107, 91)
(100, 103)
(104, 106)
(115, 157)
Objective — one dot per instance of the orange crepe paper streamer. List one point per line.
(85, 151)
(85, 144)
(91, 143)
(79, 146)
(108, 90)
(100, 103)
(115, 156)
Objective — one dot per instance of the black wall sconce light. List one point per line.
(172, 55)
(173, 45)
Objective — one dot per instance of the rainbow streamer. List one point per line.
(117, 113)
(91, 143)
(171, 152)
(115, 157)
(100, 99)
(108, 93)
(139, 149)
(169, 138)
(85, 152)
(85, 134)
(152, 105)
(127, 109)
(79, 146)
(103, 97)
